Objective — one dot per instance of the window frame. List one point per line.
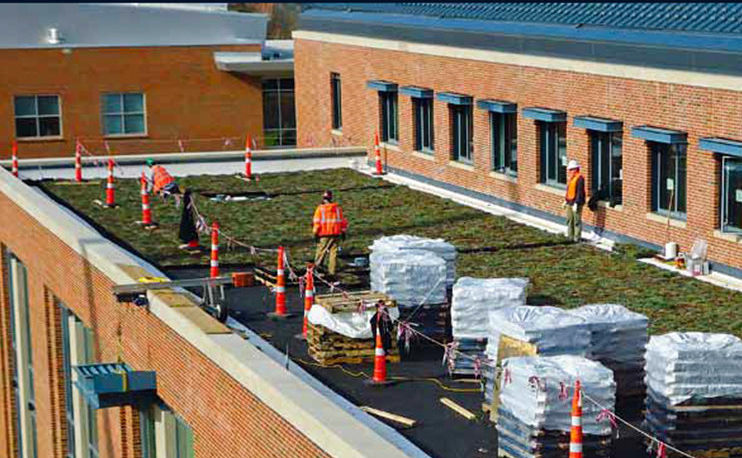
(336, 96)
(423, 124)
(504, 142)
(280, 131)
(457, 114)
(724, 227)
(37, 117)
(598, 140)
(123, 114)
(549, 136)
(389, 115)
(656, 151)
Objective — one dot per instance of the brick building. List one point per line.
(133, 78)
(494, 99)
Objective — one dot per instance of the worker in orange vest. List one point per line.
(574, 200)
(160, 181)
(328, 226)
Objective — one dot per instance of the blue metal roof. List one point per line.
(415, 91)
(498, 106)
(716, 18)
(544, 114)
(381, 85)
(659, 134)
(598, 123)
(721, 145)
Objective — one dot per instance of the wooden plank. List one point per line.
(458, 409)
(408, 422)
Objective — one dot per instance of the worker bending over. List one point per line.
(160, 181)
(328, 226)
(574, 200)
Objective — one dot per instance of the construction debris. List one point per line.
(534, 418)
(408, 422)
(458, 409)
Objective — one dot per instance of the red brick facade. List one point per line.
(187, 97)
(227, 420)
(701, 112)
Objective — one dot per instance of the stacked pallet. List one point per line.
(694, 392)
(431, 320)
(439, 247)
(339, 331)
(618, 340)
(534, 413)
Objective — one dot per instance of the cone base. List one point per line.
(300, 336)
(148, 226)
(276, 316)
(244, 177)
(372, 382)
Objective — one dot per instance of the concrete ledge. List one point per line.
(657, 218)
(214, 156)
(734, 238)
(503, 177)
(426, 156)
(549, 189)
(461, 165)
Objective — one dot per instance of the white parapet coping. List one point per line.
(338, 428)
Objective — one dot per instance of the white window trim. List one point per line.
(37, 116)
(103, 115)
(22, 358)
(79, 405)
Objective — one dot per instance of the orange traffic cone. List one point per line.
(248, 158)
(281, 312)
(377, 154)
(146, 210)
(214, 272)
(14, 165)
(110, 186)
(308, 300)
(575, 436)
(78, 161)
(379, 377)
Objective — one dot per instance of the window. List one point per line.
(553, 146)
(279, 118)
(388, 104)
(92, 419)
(337, 107)
(69, 413)
(183, 439)
(37, 116)
(423, 117)
(462, 132)
(147, 432)
(731, 194)
(23, 373)
(504, 135)
(668, 178)
(123, 114)
(607, 176)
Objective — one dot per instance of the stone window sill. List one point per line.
(461, 165)
(604, 204)
(56, 138)
(728, 236)
(503, 177)
(674, 222)
(426, 156)
(549, 189)
(337, 132)
(391, 146)
(125, 136)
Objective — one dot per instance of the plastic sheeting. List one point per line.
(694, 365)
(355, 325)
(551, 329)
(409, 277)
(475, 298)
(532, 393)
(412, 242)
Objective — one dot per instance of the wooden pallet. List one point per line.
(349, 302)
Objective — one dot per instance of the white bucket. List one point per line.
(671, 250)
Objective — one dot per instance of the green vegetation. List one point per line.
(561, 274)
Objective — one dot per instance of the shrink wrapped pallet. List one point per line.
(475, 298)
(414, 243)
(410, 277)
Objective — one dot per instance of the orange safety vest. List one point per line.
(328, 220)
(160, 177)
(572, 187)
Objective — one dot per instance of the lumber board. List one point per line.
(458, 409)
(408, 422)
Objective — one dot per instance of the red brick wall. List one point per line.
(187, 97)
(701, 112)
(227, 420)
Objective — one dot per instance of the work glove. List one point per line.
(342, 235)
(564, 204)
(574, 208)
(316, 237)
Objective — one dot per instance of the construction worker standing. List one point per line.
(574, 200)
(328, 226)
(160, 181)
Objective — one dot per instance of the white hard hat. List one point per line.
(573, 165)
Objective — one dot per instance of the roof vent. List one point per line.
(53, 37)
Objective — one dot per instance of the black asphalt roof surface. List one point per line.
(439, 432)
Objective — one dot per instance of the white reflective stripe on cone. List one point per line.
(380, 352)
(214, 247)
(280, 289)
(279, 272)
(575, 448)
(145, 207)
(576, 421)
(214, 263)
(109, 185)
(309, 293)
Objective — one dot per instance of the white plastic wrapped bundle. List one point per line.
(532, 392)
(409, 277)
(685, 365)
(412, 242)
(474, 298)
(552, 330)
(617, 333)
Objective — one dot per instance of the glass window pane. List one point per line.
(289, 137)
(49, 126)
(286, 83)
(134, 103)
(270, 85)
(134, 124)
(680, 160)
(113, 124)
(25, 127)
(513, 133)
(112, 103)
(616, 168)
(288, 117)
(732, 219)
(25, 106)
(48, 105)
(665, 183)
(270, 111)
(562, 147)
